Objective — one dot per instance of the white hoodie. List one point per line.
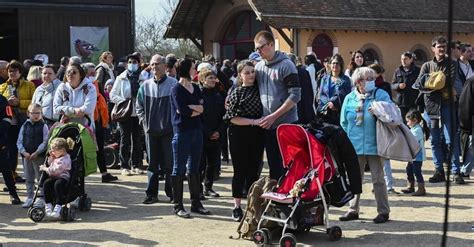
(83, 97)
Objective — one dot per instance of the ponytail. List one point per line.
(426, 129)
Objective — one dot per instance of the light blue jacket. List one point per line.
(417, 131)
(364, 136)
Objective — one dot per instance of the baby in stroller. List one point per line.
(55, 186)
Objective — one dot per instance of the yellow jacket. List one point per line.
(25, 92)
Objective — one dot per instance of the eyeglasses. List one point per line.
(335, 63)
(259, 48)
(71, 72)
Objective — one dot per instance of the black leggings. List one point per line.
(55, 190)
(99, 136)
(246, 149)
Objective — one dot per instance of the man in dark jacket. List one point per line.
(402, 83)
(466, 117)
(436, 104)
(305, 106)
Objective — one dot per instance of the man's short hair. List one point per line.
(463, 47)
(64, 61)
(266, 35)
(438, 40)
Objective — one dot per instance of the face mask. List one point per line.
(132, 67)
(369, 86)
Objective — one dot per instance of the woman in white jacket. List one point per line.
(76, 98)
(44, 94)
(126, 87)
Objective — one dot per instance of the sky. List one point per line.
(148, 8)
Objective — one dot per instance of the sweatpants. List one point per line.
(31, 172)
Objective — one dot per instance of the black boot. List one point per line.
(194, 187)
(177, 182)
(438, 177)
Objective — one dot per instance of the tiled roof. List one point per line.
(372, 15)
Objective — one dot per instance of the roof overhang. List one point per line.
(364, 15)
(188, 19)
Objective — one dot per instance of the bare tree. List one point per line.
(149, 35)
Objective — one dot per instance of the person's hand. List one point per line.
(226, 103)
(26, 155)
(33, 156)
(215, 136)
(371, 111)
(13, 101)
(402, 85)
(78, 112)
(43, 168)
(331, 106)
(267, 122)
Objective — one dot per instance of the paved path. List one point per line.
(119, 219)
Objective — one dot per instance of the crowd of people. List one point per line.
(187, 114)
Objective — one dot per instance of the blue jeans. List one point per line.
(436, 141)
(187, 150)
(414, 168)
(467, 162)
(387, 170)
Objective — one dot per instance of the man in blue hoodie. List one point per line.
(280, 91)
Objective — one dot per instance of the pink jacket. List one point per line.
(59, 167)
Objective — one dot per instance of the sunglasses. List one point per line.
(71, 72)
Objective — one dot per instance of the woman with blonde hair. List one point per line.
(34, 75)
(104, 70)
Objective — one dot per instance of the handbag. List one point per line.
(122, 111)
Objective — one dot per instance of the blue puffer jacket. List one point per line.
(363, 137)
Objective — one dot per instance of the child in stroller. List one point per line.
(301, 197)
(58, 171)
(83, 163)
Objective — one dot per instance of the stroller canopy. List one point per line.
(302, 152)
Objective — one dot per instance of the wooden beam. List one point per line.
(285, 37)
(195, 42)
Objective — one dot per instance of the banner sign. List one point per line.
(89, 42)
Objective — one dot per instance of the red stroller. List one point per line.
(298, 201)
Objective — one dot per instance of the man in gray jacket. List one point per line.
(154, 113)
(280, 91)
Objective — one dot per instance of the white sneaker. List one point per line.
(126, 172)
(56, 212)
(48, 209)
(138, 171)
(28, 203)
(39, 203)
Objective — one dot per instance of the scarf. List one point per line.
(360, 107)
(133, 78)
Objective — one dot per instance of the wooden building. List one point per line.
(382, 29)
(29, 27)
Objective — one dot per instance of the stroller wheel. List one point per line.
(88, 204)
(261, 237)
(111, 157)
(288, 240)
(36, 214)
(71, 214)
(334, 233)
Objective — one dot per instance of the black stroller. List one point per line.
(84, 150)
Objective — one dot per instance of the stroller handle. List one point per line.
(62, 120)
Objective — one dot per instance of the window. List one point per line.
(371, 56)
(238, 38)
(322, 46)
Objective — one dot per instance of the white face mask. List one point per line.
(132, 67)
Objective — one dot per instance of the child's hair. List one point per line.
(59, 143)
(33, 106)
(416, 115)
